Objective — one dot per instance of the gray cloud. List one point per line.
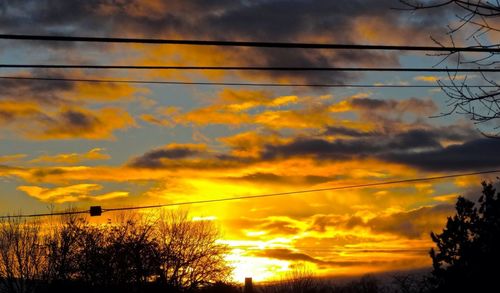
(286, 254)
(153, 158)
(345, 131)
(39, 91)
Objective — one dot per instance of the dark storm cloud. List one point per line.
(281, 20)
(344, 149)
(413, 105)
(345, 131)
(337, 150)
(153, 158)
(415, 138)
(475, 154)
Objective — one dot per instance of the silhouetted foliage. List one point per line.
(412, 283)
(468, 250)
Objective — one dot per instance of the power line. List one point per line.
(354, 186)
(235, 83)
(248, 68)
(288, 45)
(45, 214)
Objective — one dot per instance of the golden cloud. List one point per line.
(73, 158)
(72, 193)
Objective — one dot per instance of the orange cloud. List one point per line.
(232, 107)
(240, 100)
(214, 115)
(434, 78)
(106, 91)
(10, 111)
(249, 144)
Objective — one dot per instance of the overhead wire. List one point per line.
(248, 68)
(257, 44)
(174, 82)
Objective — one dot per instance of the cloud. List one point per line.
(434, 78)
(343, 131)
(415, 223)
(411, 105)
(471, 155)
(244, 107)
(163, 116)
(239, 100)
(412, 224)
(11, 111)
(73, 158)
(33, 121)
(156, 158)
(344, 149)
(421, 147)
(427, 78)
(72, 193)
(232, 107)
(286, 254)
(250, 143)
(12, 158)
(42, 92)
(271, 178)
(58, 93)
(362, 262)
(83, 123)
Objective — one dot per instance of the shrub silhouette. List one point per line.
(468, 250)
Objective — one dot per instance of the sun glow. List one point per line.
(259, 268)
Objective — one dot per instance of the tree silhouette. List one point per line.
(189, 253)
(170, 253)
(467, 252)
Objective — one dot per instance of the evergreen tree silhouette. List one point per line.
(467, 254)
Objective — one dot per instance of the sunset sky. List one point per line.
(69, 144)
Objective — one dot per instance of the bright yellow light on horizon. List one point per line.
(258, 268)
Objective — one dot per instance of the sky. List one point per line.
(66, 144)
